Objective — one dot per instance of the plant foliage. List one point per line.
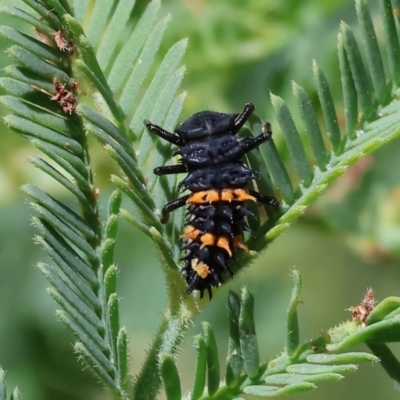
(299, 368)
(84, 71)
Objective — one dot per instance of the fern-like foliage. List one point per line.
(50, 75)
(42, 88)
(300, 366)
(371, 120)
(84, 70)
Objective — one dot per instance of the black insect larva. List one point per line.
(217, 179)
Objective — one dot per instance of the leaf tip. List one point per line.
(344, 30)
(277, 101)
(295, 88)
(315, 67)
(185, 41)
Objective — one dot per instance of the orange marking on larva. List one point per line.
(243, 195)
(211, 196)
(201, 269)
(196, 198)
(190, 232)
(207, 239)
(205, 196)
(238, 242)
(236, 195)
(227, 195)
(223, 242)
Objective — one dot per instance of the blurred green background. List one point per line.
(350, 240)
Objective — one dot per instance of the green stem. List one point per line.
(171, 333)
(387, 359)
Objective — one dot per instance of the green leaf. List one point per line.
(122, 351)
(107, 250)
(328, 108)
(149, 217)
(374, 135)
(264, 185)
(170, 377)
(113, 32)
(383, 309)
(98, 84)
(60, 178)
(17, 88)
(45, 12)
(130, 50)
(142, 68)
(345, 336)
(29, 19)
(30, 44)
(156, 184)
(393, 314)
(65, 231)
(60, 7)
(93, 362)
(372, 51)
(101, 360)
(74, 280)
(84, 280)
(164, 248)
(158, 112)
(124, 160)
(61, 250)
(320, 369)
(234, 361)
(57, 208)
(391, 39)
(25, 75)
(80, 8)
(48, 122)
(359, 73)
(110, 281)
(212, 359)
(37, 131)
(159, 96)
(113, 312)
(65, 290)
(293, 335)
(345, 358)
(311, 125)
(271, 391)
(292, 138)
(288, 379)
(98, 20)
(201, 367)
(108, 127)
(41, 68)
(348, 89)
(247, 334)
(68, 161)
(274, 163)
(82, 321)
